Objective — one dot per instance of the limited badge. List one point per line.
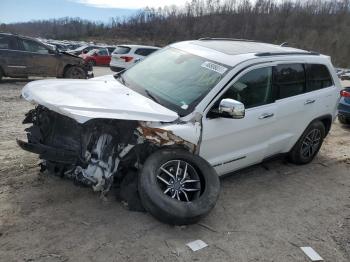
(214, 67)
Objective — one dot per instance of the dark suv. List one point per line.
(24, 56)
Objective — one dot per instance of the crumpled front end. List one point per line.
(97, 152)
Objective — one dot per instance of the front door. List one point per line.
(39, 60)
(230, 144)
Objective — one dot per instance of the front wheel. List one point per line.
(75, 72)
(178, 187)
(308, 144)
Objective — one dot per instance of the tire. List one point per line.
(302, 152)
(344, 120)
(75, 72)
(172, 210)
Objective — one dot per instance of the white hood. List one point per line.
(103, 97)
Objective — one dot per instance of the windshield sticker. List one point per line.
(214, 67)
(185, 107)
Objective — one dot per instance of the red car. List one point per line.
(98, 57)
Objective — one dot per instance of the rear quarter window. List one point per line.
(121, 50)
(317, 77)
(289, 80)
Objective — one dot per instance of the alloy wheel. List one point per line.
(179, 180)
(311, 143)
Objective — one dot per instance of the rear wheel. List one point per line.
(178, 187)
(344, 120)
(75, 72)
(308, 144)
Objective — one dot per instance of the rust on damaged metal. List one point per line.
(162, 137)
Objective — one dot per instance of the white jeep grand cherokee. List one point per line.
(187, 114)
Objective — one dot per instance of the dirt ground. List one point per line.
(264, 213)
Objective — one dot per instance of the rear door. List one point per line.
(40, 61)
(296, 108)
(12, 59)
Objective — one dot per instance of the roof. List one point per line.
(140, 46)
(238, 47)
(234, 51)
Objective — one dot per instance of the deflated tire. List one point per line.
(178, 187)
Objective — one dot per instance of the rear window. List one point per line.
(317, 77)
(145, 51)
(289, 79)
(121, 50)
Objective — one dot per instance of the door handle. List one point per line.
(266, 115)
(309, 101)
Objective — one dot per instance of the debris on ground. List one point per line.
(311, 253)
(196, 245)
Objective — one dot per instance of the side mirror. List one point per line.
(232, 108)
(84, 51)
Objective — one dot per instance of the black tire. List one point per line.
(75, 72)
(171, 210)
(307, 147)
(344, 120)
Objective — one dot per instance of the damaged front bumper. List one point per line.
(49, 153)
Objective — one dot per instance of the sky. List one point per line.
(97, 10)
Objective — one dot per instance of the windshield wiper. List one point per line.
(150, 95)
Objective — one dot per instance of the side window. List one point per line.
(289, 80)
(317, 77)
(144, 51)
(34, 47)
(102, 52)
(4, 42)
(252, 89)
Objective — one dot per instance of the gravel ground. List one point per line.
(264, 213)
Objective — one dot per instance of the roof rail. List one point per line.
(286, 53)
(225, 39)
(284, 44)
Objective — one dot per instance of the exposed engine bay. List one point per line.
(96, 153)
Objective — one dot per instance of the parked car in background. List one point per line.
(99, 57)
(177, 120)
(345, 75)
(344, 106)
(22, 56)
(83, 49)
(124, 56)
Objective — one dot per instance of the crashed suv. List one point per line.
(22, 56)
(181, 118)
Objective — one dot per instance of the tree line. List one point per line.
(319, 25)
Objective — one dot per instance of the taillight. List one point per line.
(127, 58)
(345, 93)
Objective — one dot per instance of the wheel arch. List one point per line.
(64, 70)
(326, 121)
